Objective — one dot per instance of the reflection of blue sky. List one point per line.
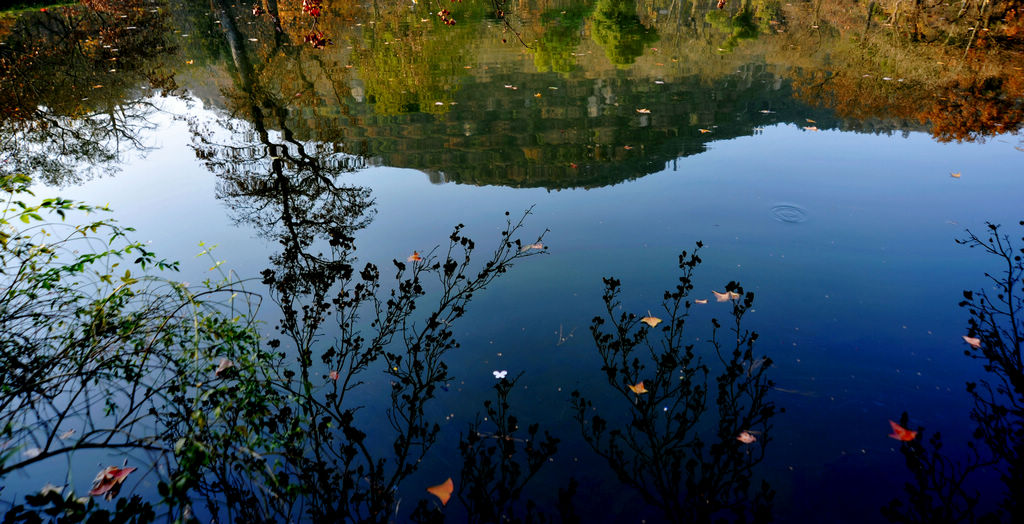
(857, 304)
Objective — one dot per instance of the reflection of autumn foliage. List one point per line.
(968, 107)
(972, 108)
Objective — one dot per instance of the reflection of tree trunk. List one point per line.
(867, 21)
(235, 43)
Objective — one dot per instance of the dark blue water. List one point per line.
(846, 238)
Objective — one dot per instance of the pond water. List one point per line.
(823, 159)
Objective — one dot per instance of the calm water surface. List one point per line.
(630, 142)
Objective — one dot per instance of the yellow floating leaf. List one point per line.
(955, 175)
(639, 388)
(651, 321)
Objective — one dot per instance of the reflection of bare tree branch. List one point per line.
(995, 336)
(658, 451)
(74, 88)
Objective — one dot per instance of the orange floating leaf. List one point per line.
(700, 300)
(811, 128)
(414, 257)
(334, 375)
(639, 388)
(108, 482)
(443, 490)
(973, 342)
(651, 321)
(746, 437)
(955, 175)
(901, 433)
(643, 111)
(702, 131)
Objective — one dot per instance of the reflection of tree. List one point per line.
(306, 454)
(497, 465)
(70, 98)
(940, 491)
(659, 451)
(618, 29)
(557, 44)
(739, 27)
(407, 68)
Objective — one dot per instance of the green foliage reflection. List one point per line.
(618, 30)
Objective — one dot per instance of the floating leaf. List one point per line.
(746, 438)
(108, 482)
(700, 300)
(901, 433)
(973, 342)
(527, 247)
(643, 111)
(955, 175)
(500, 374)
(414, 257)
(639, 388)
(811, 128)
(224, 365)
(651, 321)
(725, 297)
(333, 374)
(443, 490)
(67, 434)
(702, 131)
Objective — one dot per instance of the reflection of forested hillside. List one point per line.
(580, 132)
(550, 93)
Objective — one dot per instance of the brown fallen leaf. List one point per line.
(639, 388)
(108, 481)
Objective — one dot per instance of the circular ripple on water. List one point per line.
(789, 213)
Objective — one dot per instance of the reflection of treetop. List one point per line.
(618, 30)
